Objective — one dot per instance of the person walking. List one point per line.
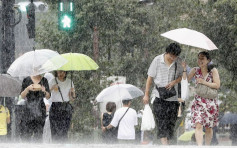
(109, 136)
(4, 120)
(166, 72)
(34, 90)
(204, 111)
(125, 119)
(60, 114)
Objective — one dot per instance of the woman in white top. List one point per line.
(62, 91)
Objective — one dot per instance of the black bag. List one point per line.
(66, 106)
(34, 110)
(167, 93)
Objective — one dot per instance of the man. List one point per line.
(4, 120)
(166, 71)
(126, 127)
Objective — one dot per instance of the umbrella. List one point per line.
(36, 62)
(228, 118)
(191, 38)
(9, 86)
(119, 92)
(187, 136)
(78, 62)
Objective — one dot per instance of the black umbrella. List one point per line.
(228, 118)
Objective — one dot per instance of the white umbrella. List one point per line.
(119, 92)
(191, 38)
(36, 62)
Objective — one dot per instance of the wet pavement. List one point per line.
(21, 145)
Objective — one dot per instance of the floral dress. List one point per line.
(204, 111)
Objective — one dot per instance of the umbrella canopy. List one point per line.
(9, 86)
(78, 62)
(35, 63)
(119, 92)
(191, 38)
(228, 118)
(187, 136)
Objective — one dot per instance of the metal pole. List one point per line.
(7, 47)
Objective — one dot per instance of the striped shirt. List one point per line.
(163, 74)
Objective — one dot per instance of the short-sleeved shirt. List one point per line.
(126, 130)
(163, 74)
(34, 98)
(4, 114)
(65, 87)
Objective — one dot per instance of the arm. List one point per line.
(101, 120)
(148, 85)
(191, 73)
(26, 91)
(216, 80)
(107, 127)
(8, 120)
(172, 83)
(72, 94)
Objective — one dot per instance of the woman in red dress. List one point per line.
(204, 111)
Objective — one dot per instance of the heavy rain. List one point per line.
(121, 73)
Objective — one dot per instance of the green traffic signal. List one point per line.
(65, 16)
(66, 20)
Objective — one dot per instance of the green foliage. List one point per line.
(129, 38)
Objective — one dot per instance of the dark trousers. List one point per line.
(33, 131)
(59, 122)
(165, 113)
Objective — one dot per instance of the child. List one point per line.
(109, 136)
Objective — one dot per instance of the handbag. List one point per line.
(167, 93)
(65, 106)
(34, 110)
(206, 92)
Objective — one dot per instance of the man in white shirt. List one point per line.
(128, 120)
(166, 72)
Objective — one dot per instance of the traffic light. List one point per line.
(66, 15)
(30, 10)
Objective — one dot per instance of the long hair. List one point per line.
(210, 66)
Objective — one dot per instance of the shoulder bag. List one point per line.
(66, 106)
(206, 92)
(167, 93)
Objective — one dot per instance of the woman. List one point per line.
(109, 136)
(204, 111)
(34, 90)
(60, 113)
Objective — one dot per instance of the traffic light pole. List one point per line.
(7, 35)
(7, 46)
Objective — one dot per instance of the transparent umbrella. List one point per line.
(36, 62)
(119, 92)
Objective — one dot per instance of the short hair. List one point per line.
(110, 107)
(173, 49)
(56, 74)
(125, 102)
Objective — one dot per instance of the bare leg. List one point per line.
(164, 141)
(199, 134)
(208, 136)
